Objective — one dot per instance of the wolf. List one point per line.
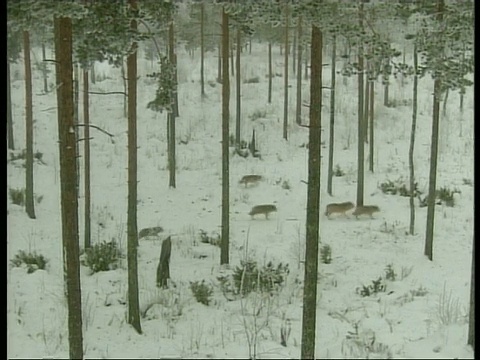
(253, 179)
(365, 210)
(262, 209)
(341, 208)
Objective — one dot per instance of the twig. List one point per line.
(108, 93)
(98, 128)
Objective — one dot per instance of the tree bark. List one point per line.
(86, 156)
(238, 84)
(372, 122)
(29, 197)
(163, 268)
(173, 113)
(270, 72)
(366, 105)
(313, 200)
(232, 64)
(437, 86)
(10, 139)
(412, 143)
(219, 77)
(202, 50)
(294, 54)
(332, 118)
(361, 155)
(385, 95)
(75, 118)
(68, 178)
(298, 112)
(285, 77)
(224, 248)
(132, 233)
(44, 72)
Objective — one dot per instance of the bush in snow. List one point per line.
(17, 196)
(376, 287)
(326, 254)
(102, 257)
(33, 261)
(201, 291)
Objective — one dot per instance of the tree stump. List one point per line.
(163, 269)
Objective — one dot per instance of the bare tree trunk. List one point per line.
(44, 72)
(270, 72)
(361, 155)
(219, 77)
(433, 154)
(163, 268)
(132, 232)
(86, 156)
(294, 48)
(124, 80)
(306, 64)
(202, 49)
(68, 178)
(372, 122)
(298, 112)
(29, 197)
(313, 200)
(285, 75)
(471, 322)
(224, 248)
(92, 73)
(232, 65)
(385, 95)
(366, 104)
(10, 140)
(173, 113)
(75, 118)
(412, 142)
(332, 117)
(238, 83)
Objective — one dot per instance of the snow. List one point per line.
(403, 322)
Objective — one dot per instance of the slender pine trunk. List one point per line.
(10, 139)
(471, 322)
(270, 72)
(285, 75)
(366, 104)
(298, 112)
(44, 72)
(332, 118)
(86, 158)
(412, 143)
(174, 113)
(361, 155)
(202, 49)
(238, 90)
(372, 122)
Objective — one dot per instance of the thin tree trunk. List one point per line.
(92, 73)
(132, 233)
(125, 85)
(224, 248)
(366, 104)
(332, 117)
(232, 64)
(250, 45)
(29, 197)
(298, 112)
(68, 177)
(202, 49)
(433, 154)
(86, 156)
(385, 95)
(313, 200)
(219, 77)
(285, 75)
(361, 155)
(372, 122)
(10, 140)
(471, 322)
(238, 83)
(306, 64)
(75, 118)
(412, 142)
(173, 113)
(294, 48)
(270, 72)
(44, 72)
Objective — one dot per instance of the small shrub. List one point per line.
(326, 254)
(253, 80)
(390, 273)
(17, 196)
(445, 195)
(421, 291)
(213, 239)
(33, 261)
(376, 287)
(102, 257)
(338, 171)
(398, 187)
(257, 114)
(286, 185)
(467, 182)
(249, 277)
(202, 292)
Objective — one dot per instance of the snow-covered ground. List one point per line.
(409, 320)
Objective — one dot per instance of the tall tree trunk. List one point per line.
(298, 112)
(385, 94)
(232, 65)
(270, 75)
(68, 178)
(125, 85)
(44, 72)
(437, 86)
(285, 76)
(366, 104)
(75, 118)
(92, 73)
(306, 64)
(202, 49)
(224, 248)
(86, 156)
(361, 155)
(412, 142)
(132, 233)
(173, 113)
(471, 322)
(313, 200)
(332, 117)
(10, 140)
(219, 77)
(238, 83)
(372, 122)
(29, 197)
(294, 48)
